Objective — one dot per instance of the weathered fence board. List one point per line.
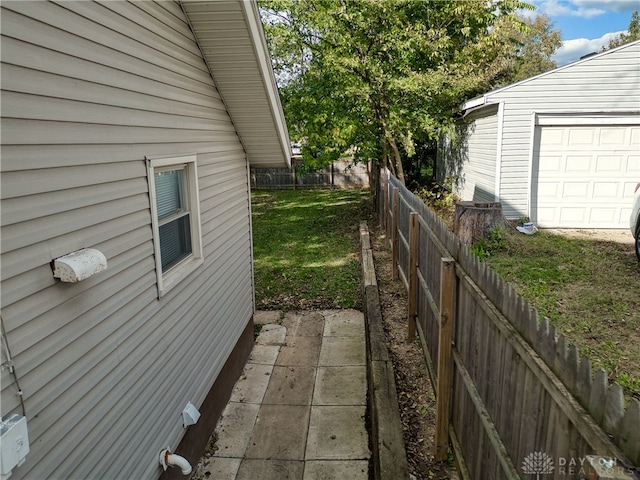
(341, 173)
(522, 400)
(443, 395)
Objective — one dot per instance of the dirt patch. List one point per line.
(415, 394)
(605, 235)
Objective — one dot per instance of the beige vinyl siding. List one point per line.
(609, 83)
(478, 181)
(106, 367)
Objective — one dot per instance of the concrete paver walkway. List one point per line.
(299, 409)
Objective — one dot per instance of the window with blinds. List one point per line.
(175, 218)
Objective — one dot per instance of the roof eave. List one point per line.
(279, 153)
(484, 100)
(252, 16)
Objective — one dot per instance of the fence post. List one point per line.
(394, 233)
(385, 203)
(380, 203)
(413, 274)
(390, 218)
(443, 396)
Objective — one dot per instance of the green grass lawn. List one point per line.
(306, 245)
(589, 289)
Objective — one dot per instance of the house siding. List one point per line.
(478, 182)
(605, 84)
(106, 367)
(602, 84)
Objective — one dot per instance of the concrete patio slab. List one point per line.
(270, 470)
(252, 384)
(337, 432)
(264, 354)
(300, 351)
(235, 428)
(280, 433)
(345, 313)
(298, 410)
(336, 470)
(272, 335)
(351, 323)
(341, 351)
(341, 385)
(304, 324)
(218, 467)
(290, 385)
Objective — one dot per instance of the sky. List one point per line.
(586, 25)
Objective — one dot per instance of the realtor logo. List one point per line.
(537, 463)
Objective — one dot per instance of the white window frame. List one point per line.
(176, 273)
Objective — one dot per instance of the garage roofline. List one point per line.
(484, 99)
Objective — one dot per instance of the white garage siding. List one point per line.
(478, 181)
(89, 90)
(584, 175)
(606, 84)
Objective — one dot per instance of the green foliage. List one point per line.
(633, 33)
(587, 289)
(436, 197)
(257, 328)
(487, 246)
(306, 248)
(629, 383)
(439, 198)
(382, 76)
(537, 43)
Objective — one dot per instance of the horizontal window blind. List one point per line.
(169, 192)
(175, 241)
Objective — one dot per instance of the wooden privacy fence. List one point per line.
(514, 399)
(341, 173)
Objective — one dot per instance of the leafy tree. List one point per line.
(633, 33)
(376, 76)
(535, 45)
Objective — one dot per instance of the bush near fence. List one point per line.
(342, 173)
(513, 397)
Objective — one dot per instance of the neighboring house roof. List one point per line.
(485, 99)
(231, 38)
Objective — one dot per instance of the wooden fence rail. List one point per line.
(341, 173)
(514, 398)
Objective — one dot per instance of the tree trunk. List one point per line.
(397, 158)
(474, 221)
(385, 153)
(374, 182)
(395, 165)
(391, 165)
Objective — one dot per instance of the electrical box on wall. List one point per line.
(14, 444)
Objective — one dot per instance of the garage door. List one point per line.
(585, 175)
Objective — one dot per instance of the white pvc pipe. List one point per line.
(178, 461)
(172, 460)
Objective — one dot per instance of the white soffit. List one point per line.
(231, 39)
